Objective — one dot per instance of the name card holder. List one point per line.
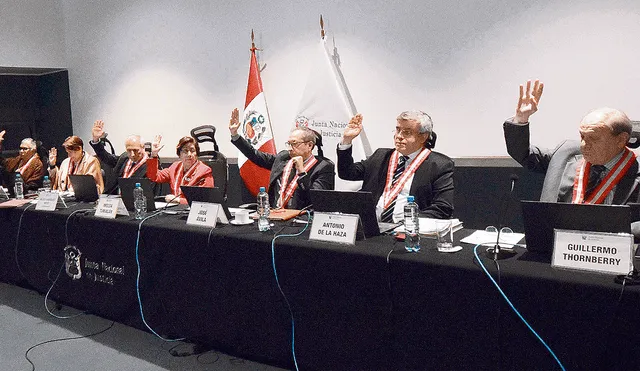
(334, 227)
(204, 214)
(110, 206)
(4, 196)
(49, 201)
(601, 252)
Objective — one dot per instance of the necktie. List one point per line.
(595, 175)
(387, 214)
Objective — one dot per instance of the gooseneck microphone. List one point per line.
(495, 252)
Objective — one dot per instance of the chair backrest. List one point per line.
(205, 133)
(634, 140)
(219, 169)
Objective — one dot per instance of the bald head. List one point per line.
(135, 147)
(604, 133)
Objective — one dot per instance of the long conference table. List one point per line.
(371, 306)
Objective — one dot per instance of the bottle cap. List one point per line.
(410, 198)
(46, 177)
(137, 185)
(262, 189)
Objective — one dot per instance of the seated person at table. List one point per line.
(27, 163)
(598, 169)
(130, 164)
(293, 172)
(411, 168)
(188, 171)
(78, 162)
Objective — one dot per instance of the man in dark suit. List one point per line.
(412, 168)
(599, 169)
(130, 164)
(294, 171)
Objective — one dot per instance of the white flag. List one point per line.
(327, 107)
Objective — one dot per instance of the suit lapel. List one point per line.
(626, 186)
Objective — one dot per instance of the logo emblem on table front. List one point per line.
(72, 262)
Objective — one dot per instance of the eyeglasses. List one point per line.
(404, 132)
(186, 151)
(24, 148)
(293, 144)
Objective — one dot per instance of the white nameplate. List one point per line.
(109, 207)
(203, 214)
(47, 201)
(610, 253)
(334, 227)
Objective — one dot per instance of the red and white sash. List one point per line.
(390, 193)
(128, 171)
(184, 179)
(599, 194)
(288, 188)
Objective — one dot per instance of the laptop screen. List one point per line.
(541, 218)
(348, 202)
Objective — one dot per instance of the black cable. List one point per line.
(17, 243)
(391, 307)
(33, 366)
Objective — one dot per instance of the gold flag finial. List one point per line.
(321, 27)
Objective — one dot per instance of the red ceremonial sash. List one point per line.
(288, 188)
(599, 194)
(181, 180)
(390, 193)
(128, 171)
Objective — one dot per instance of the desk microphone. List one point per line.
(495, 252)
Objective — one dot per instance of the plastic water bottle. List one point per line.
(46, 183)
(411, 225)
(263, 210)
(19, 187)
(139, 202)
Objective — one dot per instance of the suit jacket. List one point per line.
(432, 184)
(320, 176)
(201, 176)
(559, 166)
(32, 175)
(118, 164)
(89, 165)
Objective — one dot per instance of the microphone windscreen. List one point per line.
(514, 177)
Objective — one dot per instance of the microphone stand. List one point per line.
(495, 252)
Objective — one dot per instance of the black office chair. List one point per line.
(214, 159)
(634, 140)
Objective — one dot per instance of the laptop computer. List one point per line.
(84, 187)
(126, 192)
(349, 202)
(206, 194)
(540, 219)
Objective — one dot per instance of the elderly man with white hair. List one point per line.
(411, 168)
(130, 164)
(27, 163)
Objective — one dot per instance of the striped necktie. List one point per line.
(387, 214)
(595, 176)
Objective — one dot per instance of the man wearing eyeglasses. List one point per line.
(130, 164)
(294, 171)
(411, 168)
(598, 169)
(27, 163)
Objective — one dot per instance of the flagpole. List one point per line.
(253, 51)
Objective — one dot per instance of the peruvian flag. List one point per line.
(256, 129)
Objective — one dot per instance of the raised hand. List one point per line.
(528, 101)
(2, 135)
(98, 130)
(155, 146)
(234, 123)
(298, 161)
(352, 130)
(53, 156)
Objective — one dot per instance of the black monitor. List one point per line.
(206, 194)
(84, 187)
(349, 202)
(126, 192)
(541, 218)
